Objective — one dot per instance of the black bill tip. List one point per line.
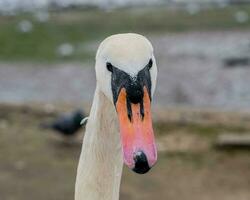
(141, 163)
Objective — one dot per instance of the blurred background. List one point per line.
(201, 106)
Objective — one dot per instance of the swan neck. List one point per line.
(100, 166)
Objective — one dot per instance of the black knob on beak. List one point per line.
(141, 163)
(135, 92)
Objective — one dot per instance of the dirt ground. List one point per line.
(39, 164)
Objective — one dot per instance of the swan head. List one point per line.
(126, 73)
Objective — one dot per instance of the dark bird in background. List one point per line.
(67, 124)
(237, 61)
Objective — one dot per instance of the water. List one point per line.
(191, 73)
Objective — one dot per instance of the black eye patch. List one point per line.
(109, 66)
(121, 79)
(150, 64)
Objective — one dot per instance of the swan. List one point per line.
(119, 128)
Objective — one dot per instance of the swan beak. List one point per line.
(138, 143)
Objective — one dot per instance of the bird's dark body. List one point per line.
(67, 124)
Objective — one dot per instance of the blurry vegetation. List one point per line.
(77, 31)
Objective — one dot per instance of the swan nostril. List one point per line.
(141, 163)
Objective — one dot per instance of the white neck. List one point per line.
(100, 166)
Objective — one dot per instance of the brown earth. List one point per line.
(38, 164)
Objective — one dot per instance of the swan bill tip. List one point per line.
(141, 163)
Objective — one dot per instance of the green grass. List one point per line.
(81, 27)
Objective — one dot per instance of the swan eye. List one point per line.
(150, 64)
(109, 67)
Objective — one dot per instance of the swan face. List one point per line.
(126, 73)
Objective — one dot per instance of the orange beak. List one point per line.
(138, 143)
